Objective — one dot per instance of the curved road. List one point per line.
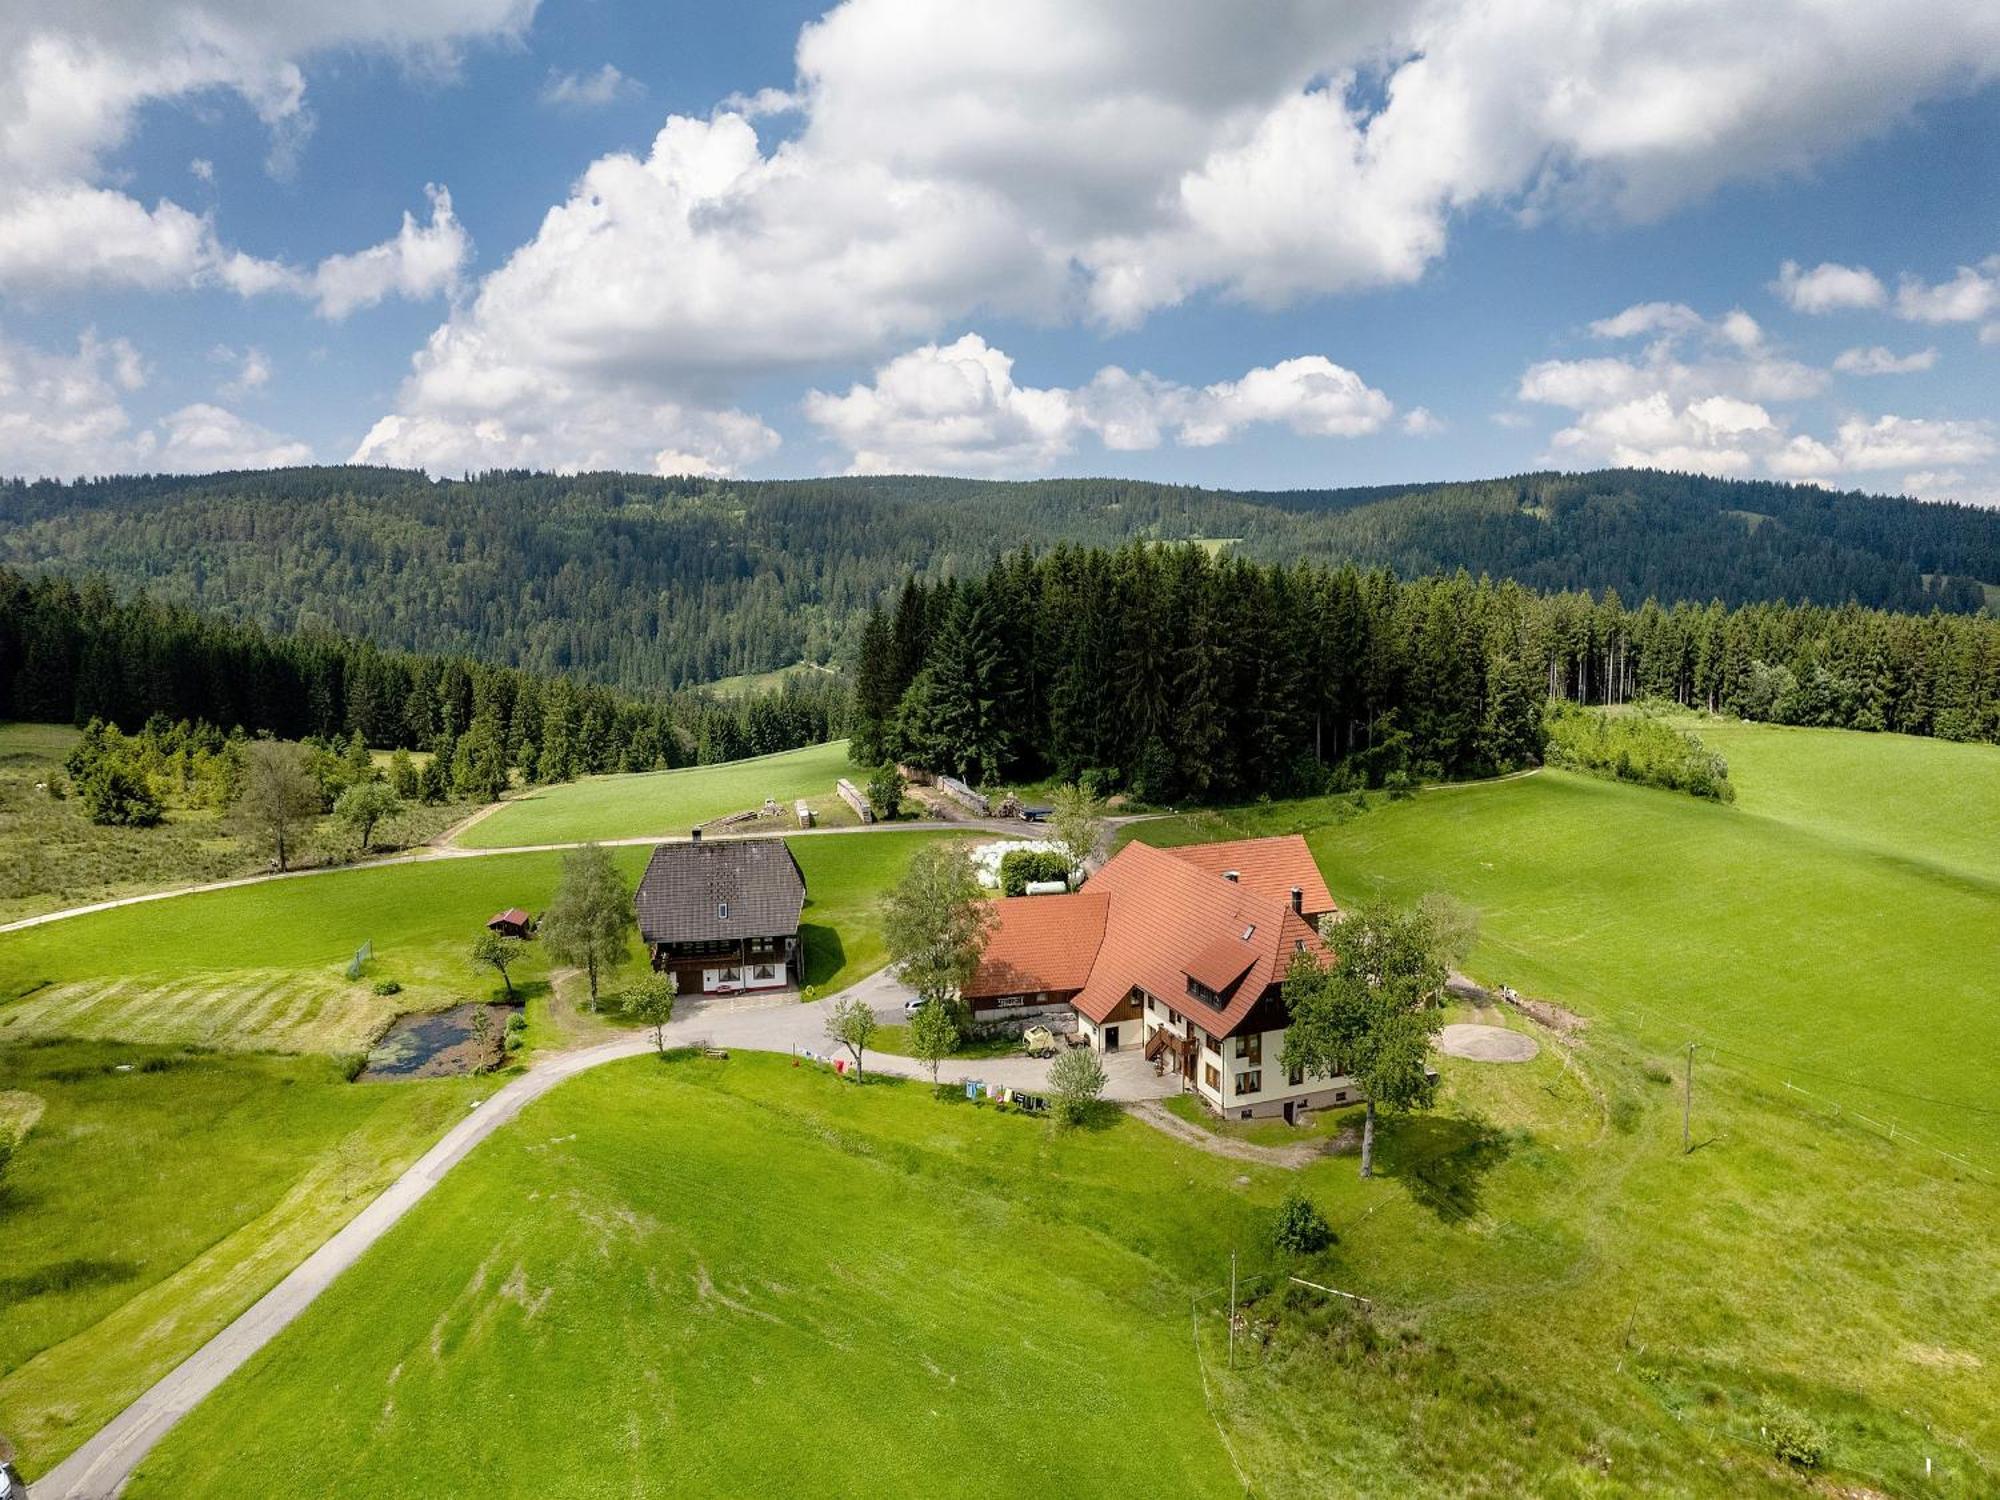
(96, 1470)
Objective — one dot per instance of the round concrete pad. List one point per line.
(1487, 1043)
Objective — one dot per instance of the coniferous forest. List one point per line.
(554, 619)
(1182, 677)
(650, 584)
(73, 652)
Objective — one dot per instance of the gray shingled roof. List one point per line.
(682, 897)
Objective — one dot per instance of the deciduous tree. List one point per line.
(364, 805)
(491, 950)
(933, 1035)
(279, 794)
(1370, 1013)
(852, 1024)
(885, 793)
(1076, 817)
(650, 1002)
(589, 921)
(1077, 1078)
(936, 922)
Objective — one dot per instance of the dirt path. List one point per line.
(1165, 1120)
(450, 835)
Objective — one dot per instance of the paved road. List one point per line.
(779, 1024)
(1002, 827)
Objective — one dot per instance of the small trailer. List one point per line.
(1040, 1041)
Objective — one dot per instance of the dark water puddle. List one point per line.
(438, 1044)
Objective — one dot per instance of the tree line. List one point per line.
(1182, 676)
(76, 652)
(651, 584)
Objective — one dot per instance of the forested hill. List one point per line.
(647, 583)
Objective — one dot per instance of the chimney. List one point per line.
(696, 838)
(1230, 876)
(1299, 900)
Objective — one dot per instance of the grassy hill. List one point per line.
(816, 1290)
(178, 1165)
(707, 1277)
(659, 803)
(1839, 925)
(1564, 1302)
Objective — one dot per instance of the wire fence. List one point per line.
(1831, 1108)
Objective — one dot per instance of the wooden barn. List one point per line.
(723, 916)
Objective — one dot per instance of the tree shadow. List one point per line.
(1444, 1162)
(826, 955)
(65, 1276)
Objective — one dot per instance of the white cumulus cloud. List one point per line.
(956, 408)
(74, 78)
(421, 261)
(1097, 160)
(1711, 396)
(64, 415)
(1970, 296)
(592, 90)
(1829, 287)
(1877, 360)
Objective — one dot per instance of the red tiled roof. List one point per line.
(1269, 866)
(1167, 911)
(1156, 918)
(1221, 963)
(513, 915)
(1040, 943)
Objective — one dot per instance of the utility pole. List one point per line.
(1232, 1309)
(1687, 1106)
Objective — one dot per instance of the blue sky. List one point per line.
(1253, 246)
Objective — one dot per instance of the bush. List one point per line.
(1637, 746)
(1077, 1079)
(885, 793)
(1019, 868)
(118, 797)
(1300, 1228)
(387, 987)
(1796, 1441)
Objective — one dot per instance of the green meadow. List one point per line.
(264, 965)
(699, 1277)
(160, 1192)
(659, 802)
(742, 1278)
(1838, 927)
(177, 1166)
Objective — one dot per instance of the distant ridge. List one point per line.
(644, 582)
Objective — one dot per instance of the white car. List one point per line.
(12, 1486)
(914, 1004)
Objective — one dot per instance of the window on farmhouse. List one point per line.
(1250, 1046)
(1212, 1076)
(1250, 1083)
(1297, 1076)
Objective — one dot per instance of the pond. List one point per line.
(439, 1043)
